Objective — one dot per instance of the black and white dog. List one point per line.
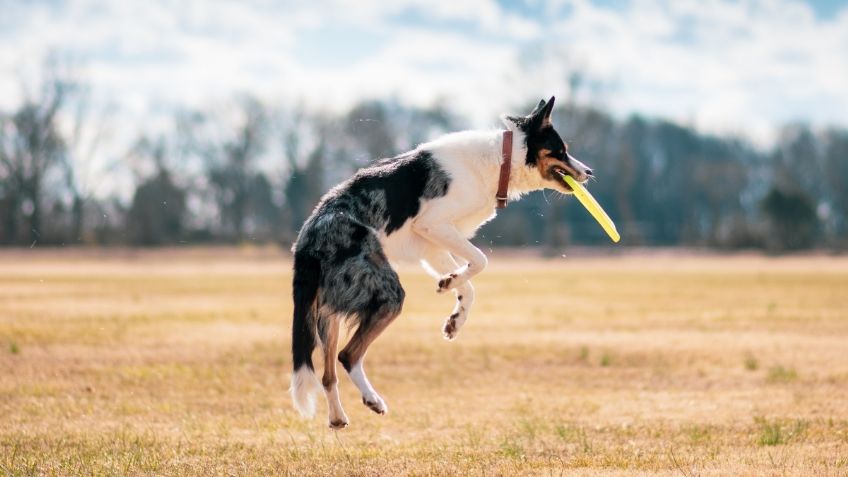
(422, 205)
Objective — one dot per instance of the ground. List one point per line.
(177, 363)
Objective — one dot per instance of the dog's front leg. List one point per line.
(446, 236)
(438, 263)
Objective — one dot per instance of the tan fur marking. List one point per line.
(329, 378)
(545, 161)
(355, 349)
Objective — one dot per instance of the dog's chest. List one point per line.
(468, 225)
(405, 245)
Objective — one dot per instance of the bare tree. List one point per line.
(157, 213)
(836, 179)
(230, 155)
(303, 177)
(31, 146)
(86, 132)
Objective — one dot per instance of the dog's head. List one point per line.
(547, 153)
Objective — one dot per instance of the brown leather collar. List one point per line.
(506, 166)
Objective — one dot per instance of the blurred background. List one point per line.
(714, 124)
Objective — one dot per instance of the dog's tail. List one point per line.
(304, 384)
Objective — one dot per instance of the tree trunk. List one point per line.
(77, 220)
(10, 222)
(35, 221)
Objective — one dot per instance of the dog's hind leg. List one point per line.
(384, 302)
(352, 358)
(361, 285)
(439, 263)
(328, 329)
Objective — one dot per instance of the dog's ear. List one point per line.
(539, 107)
(547, 110)
(537, 119)
(515, 123)
(541, 116)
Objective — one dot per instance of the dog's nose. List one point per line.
(589, 172)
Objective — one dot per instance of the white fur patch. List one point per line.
(304, 385)
(357, 375)
(369, 395)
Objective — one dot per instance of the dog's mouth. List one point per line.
(559, 172)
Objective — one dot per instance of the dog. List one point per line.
(421, 205)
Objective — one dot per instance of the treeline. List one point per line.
(666, 184)
(252, 172)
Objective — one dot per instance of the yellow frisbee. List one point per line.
(593, 207)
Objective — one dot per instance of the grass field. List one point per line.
(177, 363)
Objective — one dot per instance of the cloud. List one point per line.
(723, 66)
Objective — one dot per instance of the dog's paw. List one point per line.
(449, 329)
(375, 403)
(453, 323)
(447, 282)
(337, 424)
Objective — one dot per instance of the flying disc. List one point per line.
(593, 207)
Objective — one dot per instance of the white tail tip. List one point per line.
(304, 385)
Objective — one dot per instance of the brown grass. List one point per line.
(177, 363)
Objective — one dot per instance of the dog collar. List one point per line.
(506, 166)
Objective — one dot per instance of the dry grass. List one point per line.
(169, 363)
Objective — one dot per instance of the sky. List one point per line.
(727, 67)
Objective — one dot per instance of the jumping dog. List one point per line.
(422, 205)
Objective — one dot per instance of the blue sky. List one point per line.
(728, 67)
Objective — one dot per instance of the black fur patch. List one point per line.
(345, 360)
(540, 135)
(404, 181)
(385, 194)
(305, 283)
(546, 138)
(355, 247)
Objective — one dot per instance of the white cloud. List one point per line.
(724, 66)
